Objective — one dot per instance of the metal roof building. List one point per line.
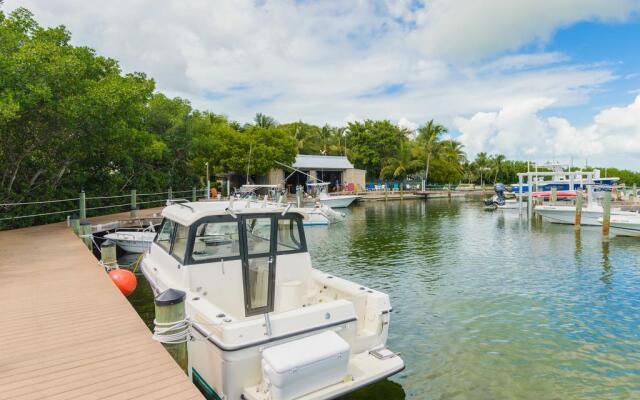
(315, 162)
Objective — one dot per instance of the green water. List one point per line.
(488, 306)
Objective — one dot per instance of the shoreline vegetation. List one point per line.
(70, 119)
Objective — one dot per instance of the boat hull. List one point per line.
(625, 226)
(135, 242)
(338, 201)
(567, 215)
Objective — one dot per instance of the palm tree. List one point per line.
(264, 121)
(429, 135)
(482, 163)
(401, 165)
(497, 161)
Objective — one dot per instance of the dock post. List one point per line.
(108, 254)
(520, 190)
(134, 204)
(170, 194)
(554, 195)
(194, 194)
(635, 192)
(529, 199)
(75, 223)
(170, 316)
(85, 233)
(606, 216)
(83, 205)
(578, 221)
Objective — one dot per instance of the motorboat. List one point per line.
(566, 214)
(624, 225)
(275, 195)
(321, 191)
(263, 323)
(137, 241)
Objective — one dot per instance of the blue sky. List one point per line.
(615, 44)
(532, 79)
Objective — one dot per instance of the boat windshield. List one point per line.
(216, 240)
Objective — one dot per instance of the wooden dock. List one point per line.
(68, 332)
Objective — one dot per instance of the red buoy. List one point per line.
(125, 280)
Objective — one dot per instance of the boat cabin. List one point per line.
(235, 252)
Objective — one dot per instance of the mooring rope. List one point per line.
(180, 329)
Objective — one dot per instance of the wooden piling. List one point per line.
(606, 215)
(134, 204)
(170, 194)
(85, 233)
(169, 307)
(83, 205)
(108, 254)
(635, 192)
(578, 221)
(554, 195)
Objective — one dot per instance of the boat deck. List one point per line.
(68, 331)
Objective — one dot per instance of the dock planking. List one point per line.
(68, 331)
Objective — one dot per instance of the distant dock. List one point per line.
(69, 332)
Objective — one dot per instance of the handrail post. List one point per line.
(194, 194)
(170, 194)
(134, 204)
(83, 205)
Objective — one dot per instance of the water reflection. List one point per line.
(606, 264)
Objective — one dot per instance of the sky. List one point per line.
(540, 80)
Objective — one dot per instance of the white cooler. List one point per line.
(302, 366)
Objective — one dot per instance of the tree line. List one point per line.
(70, 119)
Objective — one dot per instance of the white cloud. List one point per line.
(335, 61)
(408, 125)
(519, 130)
(467, 30)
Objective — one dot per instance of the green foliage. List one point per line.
(70, 119)
(373, 143)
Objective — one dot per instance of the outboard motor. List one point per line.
(498, 198)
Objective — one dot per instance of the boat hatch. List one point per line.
(254, 239)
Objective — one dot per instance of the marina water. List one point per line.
(486, 304)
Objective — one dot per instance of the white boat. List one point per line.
(275, 196)
(321, 191)
(624, 225)
(266, 325)
(567, 214)
(132, 241)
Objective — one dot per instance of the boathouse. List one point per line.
(336, 170)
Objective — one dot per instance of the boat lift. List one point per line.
(536, 178)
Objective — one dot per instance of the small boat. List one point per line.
(591, 214)
(624, 225)
(321, 191)
(132, 241)
(264, 323)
